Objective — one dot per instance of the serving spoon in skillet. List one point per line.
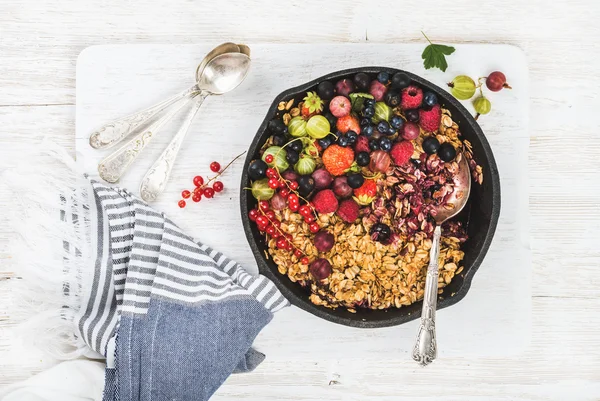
(425, 350)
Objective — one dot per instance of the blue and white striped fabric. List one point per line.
(173, 317)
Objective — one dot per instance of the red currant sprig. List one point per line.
(206, 189)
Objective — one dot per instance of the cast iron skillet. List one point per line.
(481, 214)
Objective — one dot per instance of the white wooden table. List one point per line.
(39, 44)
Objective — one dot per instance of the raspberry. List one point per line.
(348, 210)
(362, 144)
(412, 97)
(401, 152)
(325, 201)
(338, 159)
(429, 120)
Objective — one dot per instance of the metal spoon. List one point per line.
(425, 350)
(221, 75)
(114, 166)
(112, 133)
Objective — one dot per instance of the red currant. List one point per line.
(262, 221)
(181, 203)
(276, 223)
(198, 180)
(253, 214)
(281, 243)
(262, 227)
(271, 172)
(309, 218)
(196, 197)
(215, 166)
(218, 186)
(314, 227)
(297, 253)
(284, 192)
(293, 198)
(304, 260)
(264, 205)
(269, 158)
(271, 230)
(289, 246)
(294, 185)
(294, 206)
(209, 192)
(282, 184)
(270, 215)
(305, 211)
(273, 183)
(185, 194)
(198, 190)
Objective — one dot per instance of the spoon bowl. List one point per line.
(459, 197)
(224, 73)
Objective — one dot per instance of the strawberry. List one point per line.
(347, 123)
(340, 106)
(312, 105)
(365, 194)
(338, 159)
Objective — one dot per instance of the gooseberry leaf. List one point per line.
(434, 55)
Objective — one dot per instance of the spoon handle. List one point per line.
(425, 350)
(155, 180)
(114, 166)
(114, 132)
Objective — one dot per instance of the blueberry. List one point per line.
(393, 98)
(343, 141)
(368, 130)
(431, 145)
(383, 77)
(363, 159)
(385, 144)
(277, 126)
(396, 122)
(352, 136)
(325, 142)
(306, 184)
(355, 180)
(381, 232)
(412, 115)
(446, 152)
(278, 140)
(383, 127)
(400, 80)
(325, 90)
(430, 99)
(257, 169)
(292, 156)
(362, 81)
(368, 112)
(295, 146)
(369, 103)
(331, 118)
(374, 144)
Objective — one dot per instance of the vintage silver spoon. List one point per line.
(425, 350)
(221, 75)
(112, 133)
(114, 166)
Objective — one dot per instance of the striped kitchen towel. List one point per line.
(173, 317)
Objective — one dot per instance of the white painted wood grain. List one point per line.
(39, 44)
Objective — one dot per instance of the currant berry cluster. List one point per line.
(209, 188)
(267, 222)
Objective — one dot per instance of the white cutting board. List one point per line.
(494, 319)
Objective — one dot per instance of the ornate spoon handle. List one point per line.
(115, 165)
(114, 132)
(425, 350)
(155, 180)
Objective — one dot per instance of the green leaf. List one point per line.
(434, 56)
(357, 99)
